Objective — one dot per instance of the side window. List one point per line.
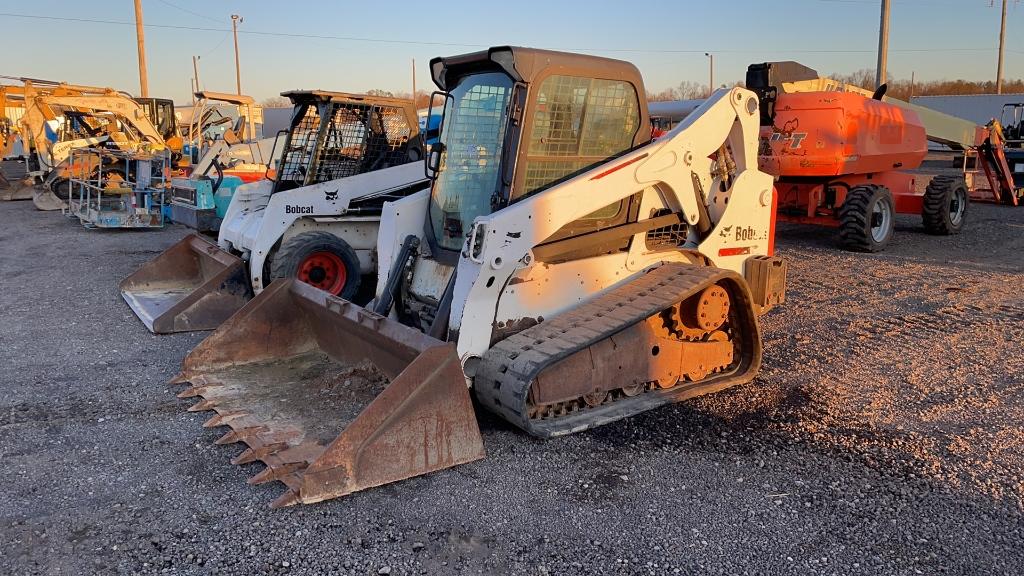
(299, 152)
(578, 122)
(345, 144)
(396, 128)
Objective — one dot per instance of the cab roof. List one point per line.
(529, 64)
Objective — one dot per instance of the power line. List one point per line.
(471, 45)
(204, 16)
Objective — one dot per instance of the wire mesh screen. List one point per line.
(299, 151)
(578, 122)
(473, 136)
(361, 138)
(666, 236)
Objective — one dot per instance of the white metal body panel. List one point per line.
(257, 220)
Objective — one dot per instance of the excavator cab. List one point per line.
(564, 267)
(1011, 119)
(160, 112)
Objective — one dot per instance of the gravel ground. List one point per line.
(884, 436)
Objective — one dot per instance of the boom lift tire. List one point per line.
(867, 218)
(945, 205)
(319, 259)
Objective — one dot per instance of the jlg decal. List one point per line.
(795, 139)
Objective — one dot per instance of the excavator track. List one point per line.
(606, 326)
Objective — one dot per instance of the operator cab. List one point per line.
(160, 112)
(1012, 121)
(515, 122)
(335, 135)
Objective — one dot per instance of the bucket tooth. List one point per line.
(239, 435)
(193, 391)
(275, 473)
(179, 379)
(289, 498)
(245, 457)
(189, 392)
(202, 406)
(222, 419)
(258, 453)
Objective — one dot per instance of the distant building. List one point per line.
(978, 108)
(275, 120)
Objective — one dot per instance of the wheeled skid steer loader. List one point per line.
(343, 157)
(564, 268)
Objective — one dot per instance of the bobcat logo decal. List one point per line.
(725, 231)
(330, 196)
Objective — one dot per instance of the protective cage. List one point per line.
(337, 138)
(118, 188)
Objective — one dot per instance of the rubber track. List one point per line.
(507, 370)
(936, 205)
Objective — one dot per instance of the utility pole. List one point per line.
(140, 39)
(883, 45)
(235, 20)
(711, 73)
(195, 70)
(413, 81)
(1002, 44)
(912, 84)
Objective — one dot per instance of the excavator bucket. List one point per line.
(20, 189)
(14, 183)
(332, 397)
(193, 285)
(46, 201)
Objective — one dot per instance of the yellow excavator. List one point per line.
(127, 125)
(57, 117)
(565, 268)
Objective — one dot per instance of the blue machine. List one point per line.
(201, 203)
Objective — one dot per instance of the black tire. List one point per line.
(285, 261)
(61, 188)
(945, 205)
(867, 218)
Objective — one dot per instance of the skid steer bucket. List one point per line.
(21, 189)
(47, 201)
(330, 396)
(15, 184)
(193, 285)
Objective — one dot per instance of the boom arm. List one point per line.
(127, 109)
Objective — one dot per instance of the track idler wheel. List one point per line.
(697, 316)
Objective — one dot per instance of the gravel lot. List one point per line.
(884, 436)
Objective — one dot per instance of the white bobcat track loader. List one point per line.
(564, 269)
(342, 158)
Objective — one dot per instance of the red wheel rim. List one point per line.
(323, 270)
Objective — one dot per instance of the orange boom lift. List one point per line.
(841, 159)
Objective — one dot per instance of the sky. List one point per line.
(355, 46)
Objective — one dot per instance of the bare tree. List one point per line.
(276, 102)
